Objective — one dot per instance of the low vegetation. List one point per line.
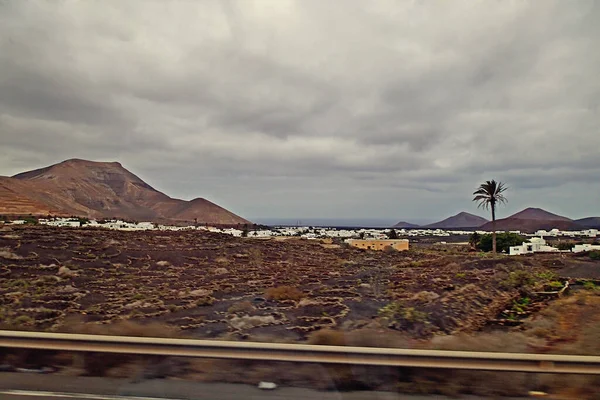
(504, 241)
(284, 293)
(204, 285)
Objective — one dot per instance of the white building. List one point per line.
(73, 223)
(535, 245)
(578, 248)
(590, 232)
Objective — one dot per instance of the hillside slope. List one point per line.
(589, 222)
(531, 220)
(101, 190)
(460, 220)
(405, 225)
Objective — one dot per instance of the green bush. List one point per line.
(556, 285)
(503, 241)
(30, 220)
(403, 318)
(595, 255)
(518, 279)
(565, 245)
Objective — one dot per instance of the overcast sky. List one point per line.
(312, 108)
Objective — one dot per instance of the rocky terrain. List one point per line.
(208, 285)
(101, 190)
(215, 285)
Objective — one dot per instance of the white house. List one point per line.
(535, 245)
(578, 248)
(60, 222)
(590, 232)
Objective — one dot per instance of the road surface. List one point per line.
(23, 386)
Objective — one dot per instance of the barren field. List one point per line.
(215, 285)
(204, 285)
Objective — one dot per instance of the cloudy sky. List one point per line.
(310, 108)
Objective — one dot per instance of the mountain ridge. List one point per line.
(101, 190)
(405, 225)
(589, 222)
(530, 220)
(538, 214)
(461, 220)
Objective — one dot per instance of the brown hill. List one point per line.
(405, 225)
(14, 199)
(462, 220)
(589, 222)
(101, 190)
(531, 220)
(538, 214)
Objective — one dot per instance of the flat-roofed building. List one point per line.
(379, 244)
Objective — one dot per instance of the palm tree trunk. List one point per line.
(493, 228)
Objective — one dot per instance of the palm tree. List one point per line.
(488, 195)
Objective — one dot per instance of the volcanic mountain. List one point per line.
(589, 222)
(101, 190)
(531, 220)
(462, 220)
(405, 225)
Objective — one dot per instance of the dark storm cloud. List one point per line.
(351, 103)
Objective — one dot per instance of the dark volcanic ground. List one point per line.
(214, 285)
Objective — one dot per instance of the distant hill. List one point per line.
(101, 190)
(463, 220)
(405, 225)
(531, 220)
(589, 222)
(538, 214)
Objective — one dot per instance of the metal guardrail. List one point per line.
(516, 362)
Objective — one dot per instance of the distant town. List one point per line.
(535, 244)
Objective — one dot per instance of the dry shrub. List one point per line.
(583, 387)
(9, 255)
(284, 293)
(249, 322)
(241, 307)
(368, 337)
(357, 377)
(494, 342)
(327, 337)
(453, 266)
(338, 377)
(121, 328)
(588, 341)
(389, 250)
(426, 296)
(220, 271)
(542, 325)
(66, 272)
(205, 301)
(99, 364)
(483, 383)
(379, 378)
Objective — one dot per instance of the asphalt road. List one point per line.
(22, 386)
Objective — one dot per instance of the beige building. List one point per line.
(379, 244)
